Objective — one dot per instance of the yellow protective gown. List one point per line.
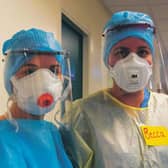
(105, 133)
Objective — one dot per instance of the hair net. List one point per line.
(125, 19)
(27, 40)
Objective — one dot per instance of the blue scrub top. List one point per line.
(146, 98)
(37, 144)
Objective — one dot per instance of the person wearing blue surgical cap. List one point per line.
(126, 125)
(33, 78)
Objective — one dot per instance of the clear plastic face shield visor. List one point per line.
(156, 80)
(41, 87)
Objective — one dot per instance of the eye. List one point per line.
(56, 69)
(122, 52)
(25, 70)
(30, 71)
(143, 53)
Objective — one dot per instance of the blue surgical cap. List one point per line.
(113, 35)
(34, 40)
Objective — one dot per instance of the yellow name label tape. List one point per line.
(155, 135)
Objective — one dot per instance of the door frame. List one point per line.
(85, 59)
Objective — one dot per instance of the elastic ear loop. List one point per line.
(67, 90)
(9, 115)
(62, 99)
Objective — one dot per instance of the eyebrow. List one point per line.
(35, 66)
(121, 48)
(143, 47)
(30, 65)
(127, 48)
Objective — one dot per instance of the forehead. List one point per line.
(43, 59)
(132, 43)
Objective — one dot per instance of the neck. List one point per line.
(17, 113)
(132, 99)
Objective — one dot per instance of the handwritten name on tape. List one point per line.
(155, 135)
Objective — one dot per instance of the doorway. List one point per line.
(72, 41)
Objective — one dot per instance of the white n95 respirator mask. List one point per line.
(38, 92)
(131, 73)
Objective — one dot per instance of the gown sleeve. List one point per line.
(74, 136)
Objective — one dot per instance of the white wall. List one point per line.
(90, 16)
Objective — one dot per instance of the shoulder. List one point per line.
(159, 97)
(92, 98)
(2, 117)
(90, 101)
(82, 107)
